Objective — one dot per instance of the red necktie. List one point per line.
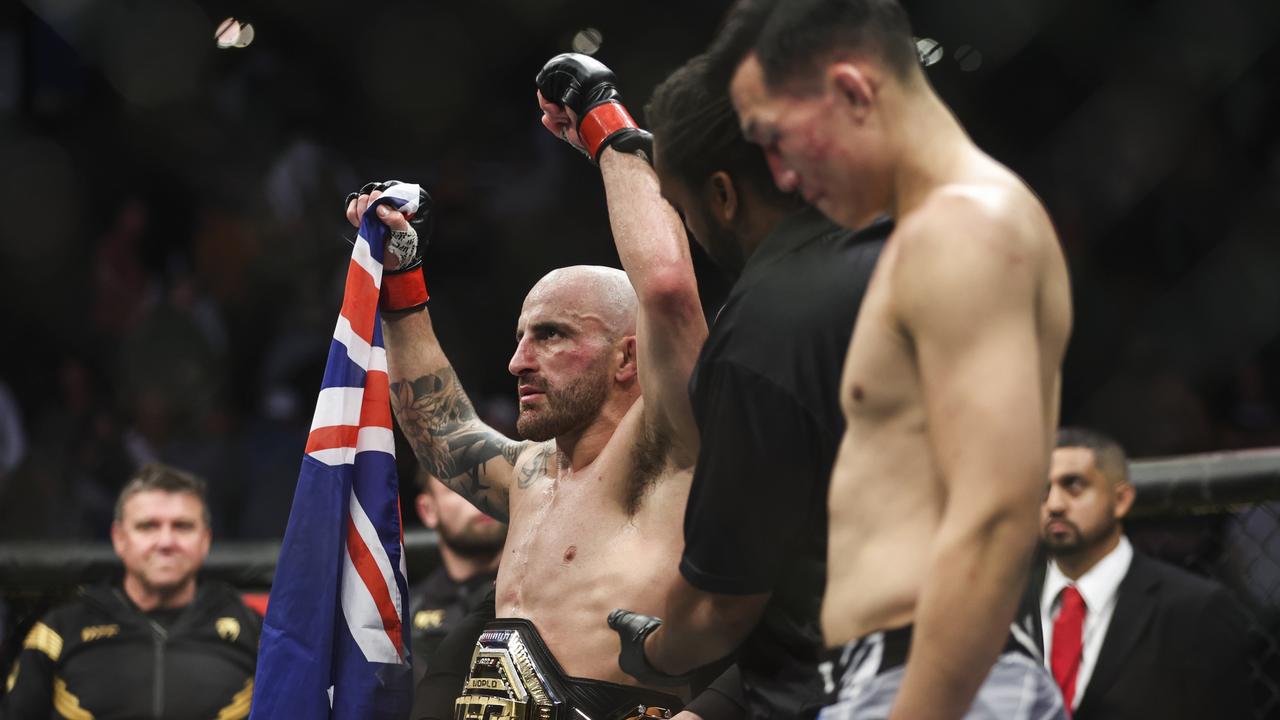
(1064, 657)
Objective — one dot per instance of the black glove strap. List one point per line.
(632, 141)
(418, 218)
(632, 629)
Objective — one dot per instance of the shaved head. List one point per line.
(575, 340)
(590, 290)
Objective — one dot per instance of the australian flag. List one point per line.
(335, 643)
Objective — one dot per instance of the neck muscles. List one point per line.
(580, 448)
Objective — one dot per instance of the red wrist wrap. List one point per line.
(405, 290)
(602, 121)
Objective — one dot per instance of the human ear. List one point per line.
(851, 84)
(626, 360)
(724, 197)
(1125, 495)
(427, 512)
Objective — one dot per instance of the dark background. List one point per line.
(172, 242)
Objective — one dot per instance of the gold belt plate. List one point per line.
(504, 682)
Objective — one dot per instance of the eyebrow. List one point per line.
(156, 521)
(545, 325)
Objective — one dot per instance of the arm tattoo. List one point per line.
(536, 467)
(450, 440)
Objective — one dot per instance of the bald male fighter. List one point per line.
(595, 495)
(950, 387)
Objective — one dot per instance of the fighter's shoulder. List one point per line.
(1002, 214)
(533, 449)
(971, 225)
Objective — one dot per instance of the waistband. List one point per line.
(894, 645)
(515, 675)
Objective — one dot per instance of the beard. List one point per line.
(725, 251)
(565, 410)
(1063, 543)
(475, 540)
(1072, 540)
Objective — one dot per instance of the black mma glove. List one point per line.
(404, 288)
(632, 629)
(588, 87)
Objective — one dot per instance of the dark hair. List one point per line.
(801, 35)
(158, 476)
(1107, 453)
(697, 131)
(737, 37)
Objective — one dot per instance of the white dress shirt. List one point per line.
(1098, 587)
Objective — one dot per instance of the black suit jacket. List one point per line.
(1177, 648)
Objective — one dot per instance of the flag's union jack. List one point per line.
(335, 641)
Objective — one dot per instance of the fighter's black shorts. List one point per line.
(882, 652)
(862, 679)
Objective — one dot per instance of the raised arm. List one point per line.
(966, 287)
(649, 235)
(434, 412)
(671, 327)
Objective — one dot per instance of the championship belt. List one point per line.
(514, 676)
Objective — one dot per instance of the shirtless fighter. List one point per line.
(595, 495)
(950, 387)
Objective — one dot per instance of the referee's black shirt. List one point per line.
(765, 393)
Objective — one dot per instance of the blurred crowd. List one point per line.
(172, 246)
(196, 336)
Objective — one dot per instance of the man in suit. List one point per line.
(1127, 636)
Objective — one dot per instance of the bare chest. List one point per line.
(571, 539)
(879, 382)
(561, 522)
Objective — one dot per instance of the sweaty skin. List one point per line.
(956, 355)
(950, 393)
(575, 551)
(950, 387)
(595, 513)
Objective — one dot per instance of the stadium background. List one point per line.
(171, 241)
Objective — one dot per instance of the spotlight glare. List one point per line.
(929, 50)
(588, 41)
(246, 35)
(233, 33)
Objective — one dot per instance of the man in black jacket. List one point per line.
(470, 545)
(157, 645)
(1127, 636)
